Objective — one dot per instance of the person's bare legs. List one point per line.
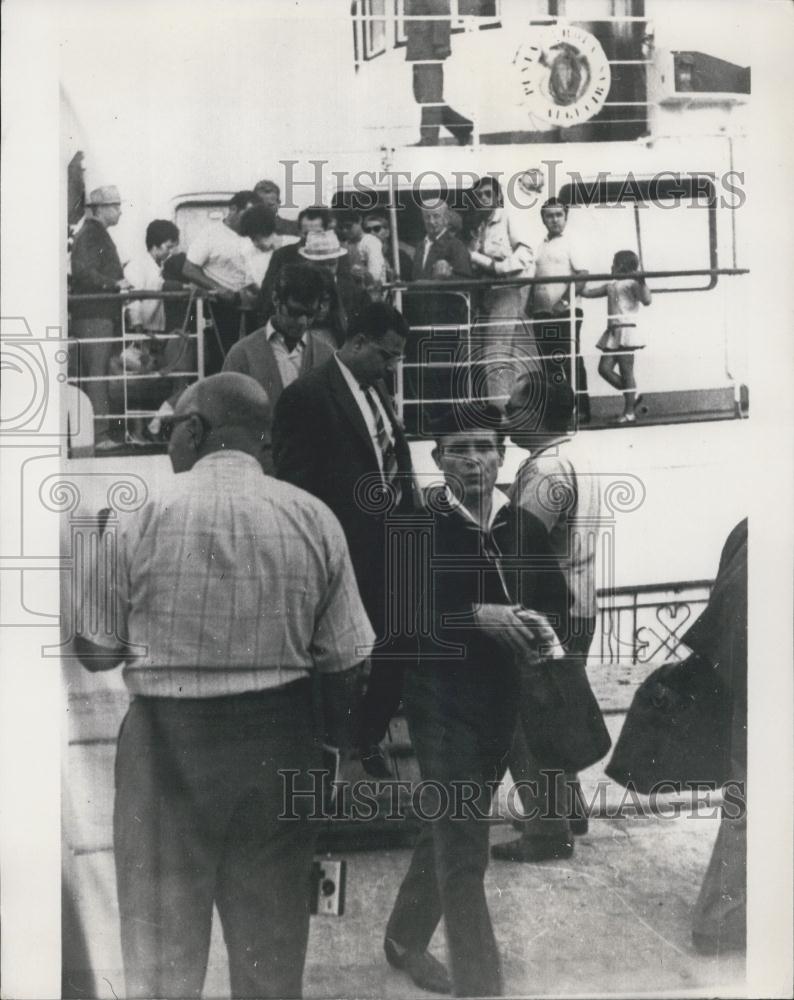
(607, 370)
(628, 383)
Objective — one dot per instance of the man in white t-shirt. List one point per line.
(259, 225)
(549, 305)
(365, 251)
(218, 260)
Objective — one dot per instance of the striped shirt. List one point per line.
(232, 581)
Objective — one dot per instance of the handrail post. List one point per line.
(398, 304)
(200, 335)
(573, 354)
(470, 320)
(124, 382)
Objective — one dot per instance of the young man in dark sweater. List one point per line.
(493, 595)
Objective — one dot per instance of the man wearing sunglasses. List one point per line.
(377, 224)
(336, 435)
(286, 347)
(231, 591)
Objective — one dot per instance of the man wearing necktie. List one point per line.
(436, 315)
(336, 435)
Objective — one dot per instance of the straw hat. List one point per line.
(322, 246)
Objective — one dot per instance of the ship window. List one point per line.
(369, 29)
(192, 217)
(487, 11)
(669, 222)
(594, 10)
(375, 32)
(475, 8)
(400, 37)
(478, 8)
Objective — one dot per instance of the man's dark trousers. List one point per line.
(553, 338)
(461, 719)
(198, 796)
(390, 656)
(227, 318)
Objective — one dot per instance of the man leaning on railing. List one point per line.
(96, 268)
(145, 273)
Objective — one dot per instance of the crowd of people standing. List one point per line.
(306, 600)
(500, 330)
(284, 615)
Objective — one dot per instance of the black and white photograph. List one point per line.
(397, 499)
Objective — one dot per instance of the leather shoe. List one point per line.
(374, 763)
(425, 971)
(531, 849)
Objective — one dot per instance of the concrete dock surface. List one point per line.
(613, 919)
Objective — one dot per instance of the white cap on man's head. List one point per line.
(106, 195)
(322, 246)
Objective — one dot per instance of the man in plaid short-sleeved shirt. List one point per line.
(231, 589)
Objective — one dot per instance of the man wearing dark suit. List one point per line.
(96, 268)
(428, 45)
(439, 256)
(335, 434)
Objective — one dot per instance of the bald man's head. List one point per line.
(227, 398)
(224, 412)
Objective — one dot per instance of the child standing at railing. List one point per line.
(622, 336)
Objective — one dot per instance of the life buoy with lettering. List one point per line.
(563, 76)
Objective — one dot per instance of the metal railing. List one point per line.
(471, 345)
(128, 378)
(452, 351)
(644, 623)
